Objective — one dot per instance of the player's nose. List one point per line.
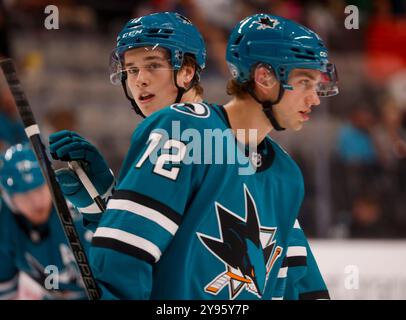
(142, 79)
(313, 99)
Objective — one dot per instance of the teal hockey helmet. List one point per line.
(19, 170)
(167, 30)
(282, 44)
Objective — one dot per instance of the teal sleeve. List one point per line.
(144, 213)
(304, 280)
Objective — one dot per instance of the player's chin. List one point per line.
(42, 214)
(39, 218)
(297, 126)
(149, 109)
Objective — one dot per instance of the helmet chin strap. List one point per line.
(268, 105)
(181, 90)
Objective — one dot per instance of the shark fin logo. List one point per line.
(247, 249)
(266, 23)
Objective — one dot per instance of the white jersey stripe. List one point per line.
(296, 225)
(146, 212)
(296, 251)
(130, 239)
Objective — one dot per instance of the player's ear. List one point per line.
(264, 77)
(185, 75)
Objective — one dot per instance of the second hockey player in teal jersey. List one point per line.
(32, 240)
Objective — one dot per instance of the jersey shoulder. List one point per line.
(281, 152)
(286, 164)
(183, 116)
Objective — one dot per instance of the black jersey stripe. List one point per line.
(314, 295)
(148, 202)
(123, 247)
(297, 261)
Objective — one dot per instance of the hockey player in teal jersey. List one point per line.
(284, 68)
(158, 60)
(178, 229)
(181, 230)
(31, 237)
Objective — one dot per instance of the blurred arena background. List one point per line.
(352, 154)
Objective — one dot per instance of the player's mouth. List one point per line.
(305, 114)
(145, 97)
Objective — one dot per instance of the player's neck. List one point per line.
(191, 96)
(247, 114)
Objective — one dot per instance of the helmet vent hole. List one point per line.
(239, 39)
(310, 52)
(158, 35)
(236, 54)
(295, 50)
(184, 18)
(303, 56)
(167, 31)
(156, 30)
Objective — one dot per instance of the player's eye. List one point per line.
(134, 71)
(154, 66)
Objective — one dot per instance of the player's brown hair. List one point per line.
(239, 90)
(191, 62)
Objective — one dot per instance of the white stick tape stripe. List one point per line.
(32, 130)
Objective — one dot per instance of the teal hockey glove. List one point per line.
(69, 146)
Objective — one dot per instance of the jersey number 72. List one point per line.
(179, 151)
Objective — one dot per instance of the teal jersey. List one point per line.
(42, 252)
(176, 229)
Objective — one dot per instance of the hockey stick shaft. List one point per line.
(90, 188)
(33, 133)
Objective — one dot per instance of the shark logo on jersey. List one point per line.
(247, 249)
